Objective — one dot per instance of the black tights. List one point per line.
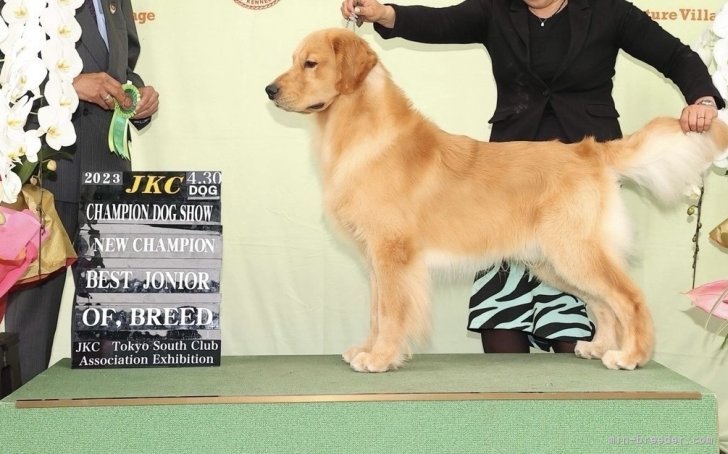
(507, 341)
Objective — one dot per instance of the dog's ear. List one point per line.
(354, 60)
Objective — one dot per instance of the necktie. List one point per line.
(100, 26)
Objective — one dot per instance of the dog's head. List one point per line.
(327, 63)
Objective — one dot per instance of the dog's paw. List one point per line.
(618, 359)
(351, 353)
(370, 362)
(588, 350)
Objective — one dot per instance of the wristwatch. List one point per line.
(707, 102)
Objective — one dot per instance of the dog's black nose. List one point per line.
(272, 91)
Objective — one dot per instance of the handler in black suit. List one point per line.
(109, 48)
(553, 63)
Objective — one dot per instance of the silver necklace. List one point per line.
(543, 20)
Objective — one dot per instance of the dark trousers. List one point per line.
(32, 313)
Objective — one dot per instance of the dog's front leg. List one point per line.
(351, 353)
(402, 305)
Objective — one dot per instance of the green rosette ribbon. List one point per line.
(119, 127)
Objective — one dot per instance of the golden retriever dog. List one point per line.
(413, 196)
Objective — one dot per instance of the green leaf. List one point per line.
(26, 170)
(53, 154)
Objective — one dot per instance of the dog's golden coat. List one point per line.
(412, 195)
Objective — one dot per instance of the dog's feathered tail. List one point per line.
(665, 160)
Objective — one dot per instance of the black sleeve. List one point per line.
(463, 23)
(644, 39)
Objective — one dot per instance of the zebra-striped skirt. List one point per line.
(509, 297)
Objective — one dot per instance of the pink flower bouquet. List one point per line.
(713, 299)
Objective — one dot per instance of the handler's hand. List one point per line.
(100, 89)
(697, 118)
(148, 103)
(369, 11)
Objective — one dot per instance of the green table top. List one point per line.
(469, 376)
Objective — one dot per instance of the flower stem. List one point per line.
(712, 309)
(698, 225)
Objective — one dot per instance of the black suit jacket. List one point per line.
(581, 91)
(91, 150)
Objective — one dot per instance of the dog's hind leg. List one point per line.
(606, 336)
(588, 267)
(402, 312)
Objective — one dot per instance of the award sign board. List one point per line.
(148, 271)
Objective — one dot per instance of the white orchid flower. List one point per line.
(720, 52)
(10, 187)
(26, 73)
(62, 59)
(37, 42)
(17, 117)
(693, 192)
(61, 93)
(720, 80)
(5, 100)
(71, 5)
(31, 145)
(60, 23)
(10, 47)
(703, 47)
(5, 166)
(720, 24)
(33, 36)
(20, 11)
(4, 31)
(21, 48)
(26, 145)
(55, 122)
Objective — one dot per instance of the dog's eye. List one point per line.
(309, 64)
